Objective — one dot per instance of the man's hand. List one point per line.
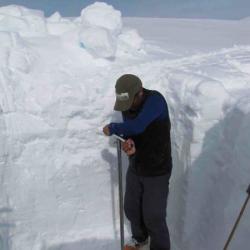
(106, 130)
(128, 147)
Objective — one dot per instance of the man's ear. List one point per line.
(141, 93)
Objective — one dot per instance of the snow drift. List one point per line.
(58, 176)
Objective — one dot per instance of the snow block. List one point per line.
(11, 10)
(130, 40)
(102, 15)
(211, 96)
(98, 41)
(37, 25)
(18, 11)
(22, 20)
(101, 32)
(56, 17)
(13, 24)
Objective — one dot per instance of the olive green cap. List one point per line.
(127, 86)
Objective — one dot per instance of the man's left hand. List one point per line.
(106, 130)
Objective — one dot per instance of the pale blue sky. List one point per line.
(219, 9)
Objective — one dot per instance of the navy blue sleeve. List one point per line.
(155, 107)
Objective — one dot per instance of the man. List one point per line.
(146, 128)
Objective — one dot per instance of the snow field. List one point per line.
(58, 173)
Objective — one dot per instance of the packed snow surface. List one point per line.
(58, 173)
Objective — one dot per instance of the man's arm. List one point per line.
(153, 108)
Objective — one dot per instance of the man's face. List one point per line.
(137, 100)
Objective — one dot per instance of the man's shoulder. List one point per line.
(155, 95)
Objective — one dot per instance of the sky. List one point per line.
(215, 9)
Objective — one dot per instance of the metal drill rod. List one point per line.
(119, 156)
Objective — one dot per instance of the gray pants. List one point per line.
(145, 206)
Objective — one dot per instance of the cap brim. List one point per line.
(123, 105)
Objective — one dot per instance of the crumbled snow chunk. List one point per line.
(102, 35)
(130, 40)
(98, 41)
(102, 15)
(37, 25)
(56, 17)
(211, 96)
(13, 24)
(22, 20)
(18, 11)
(99, 27)
(11, 10)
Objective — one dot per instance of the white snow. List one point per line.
(98, 41)
(55, 17)
(5, 39)
(58, 174)
(102, 15)
(129, 41)
(20, 19)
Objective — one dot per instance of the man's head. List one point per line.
(128, 92)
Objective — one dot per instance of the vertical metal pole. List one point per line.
(119, 156)
(238, 219)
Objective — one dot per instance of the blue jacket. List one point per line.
(149, 127)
